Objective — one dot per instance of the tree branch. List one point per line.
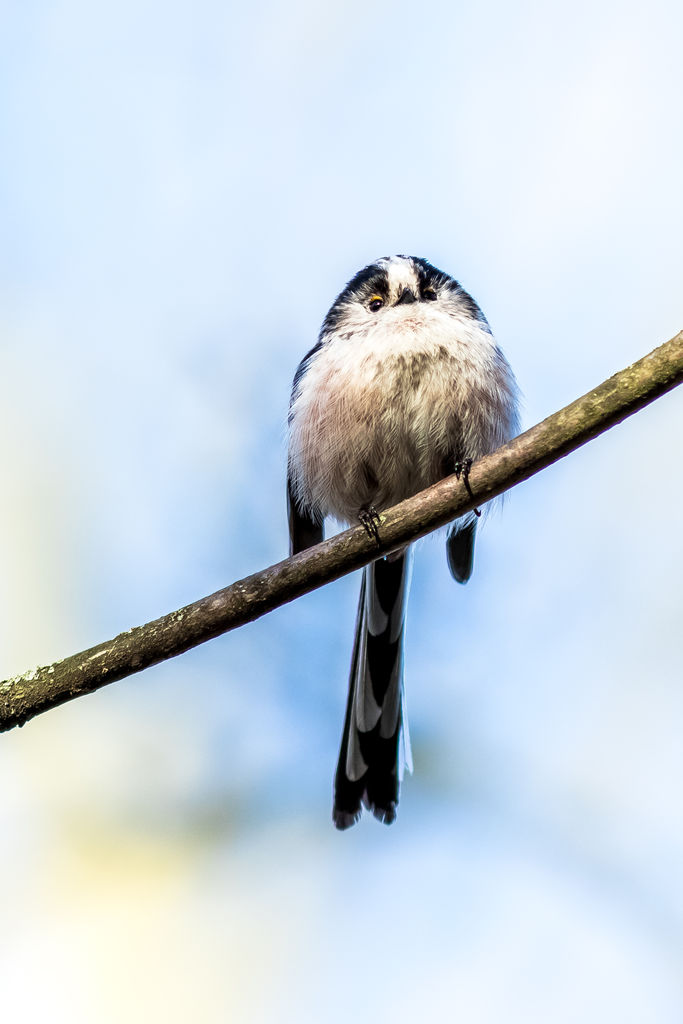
(25, 696)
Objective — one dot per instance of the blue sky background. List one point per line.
(184, 188)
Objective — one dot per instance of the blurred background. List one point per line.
(184, 188)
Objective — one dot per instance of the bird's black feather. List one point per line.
(460, 551)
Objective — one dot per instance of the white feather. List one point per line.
(392, 395)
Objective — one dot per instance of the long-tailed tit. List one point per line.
(405, 386)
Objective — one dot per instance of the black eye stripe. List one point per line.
(373, 282)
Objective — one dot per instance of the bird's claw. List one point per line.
(370, 519)
(462, 469)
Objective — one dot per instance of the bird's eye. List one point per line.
(429, 294)
(375, 303)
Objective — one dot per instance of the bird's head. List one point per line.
(395, 289)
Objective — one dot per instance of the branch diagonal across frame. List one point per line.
(25, 696)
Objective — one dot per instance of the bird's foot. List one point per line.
(371, 519)
(462, 469)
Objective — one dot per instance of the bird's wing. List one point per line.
(460, 551)
(305, 529)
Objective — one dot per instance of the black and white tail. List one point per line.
(375, 746)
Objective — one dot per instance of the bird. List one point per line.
(404, 386)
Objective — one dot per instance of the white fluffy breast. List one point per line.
(385, 408)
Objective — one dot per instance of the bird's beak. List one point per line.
(406, 297)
